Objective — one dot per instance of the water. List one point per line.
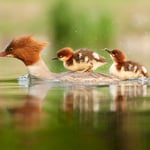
(45, 115)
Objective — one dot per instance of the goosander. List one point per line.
(28, 50)
(80, 60)
(125, 69)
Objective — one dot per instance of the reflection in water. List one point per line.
(91, 99)
(30, 114)
(87, 117)
(124, 99)
(86, 101)
(83, 99)
(111, 119)
(124, 95)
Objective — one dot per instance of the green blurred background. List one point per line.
(92, 24)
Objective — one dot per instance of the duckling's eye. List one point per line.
(61, 56)
(114, 54)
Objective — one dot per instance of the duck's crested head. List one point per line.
(65, 54)
(25, 48)
(117, 55)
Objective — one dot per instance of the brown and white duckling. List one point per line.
(80, 60)
(125, 69)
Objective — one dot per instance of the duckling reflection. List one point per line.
(30, 114)
(84, 103)
(83, 99)
(117, 97)
(123, 92)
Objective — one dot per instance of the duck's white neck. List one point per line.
(40, 70)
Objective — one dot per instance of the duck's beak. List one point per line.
(3, 54)
(107, 50)
(54, 58)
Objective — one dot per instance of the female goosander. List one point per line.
(80, 60)
(125, 69)
(28, 50)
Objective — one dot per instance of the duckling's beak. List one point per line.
(55, 58)
(107, 50)
(3, 54)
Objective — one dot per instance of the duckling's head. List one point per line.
(64, 54)
(117, 55)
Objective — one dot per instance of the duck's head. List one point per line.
(25, 48)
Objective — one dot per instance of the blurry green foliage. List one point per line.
(62, 23)
(79, 29)
(106, 30)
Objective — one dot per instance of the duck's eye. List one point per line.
(9, 49)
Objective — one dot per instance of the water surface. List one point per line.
(45, 115)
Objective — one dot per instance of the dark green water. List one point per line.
(58, 117)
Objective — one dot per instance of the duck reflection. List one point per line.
(87, 102)
(29, 114)
(90, 113)
(98, 115)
